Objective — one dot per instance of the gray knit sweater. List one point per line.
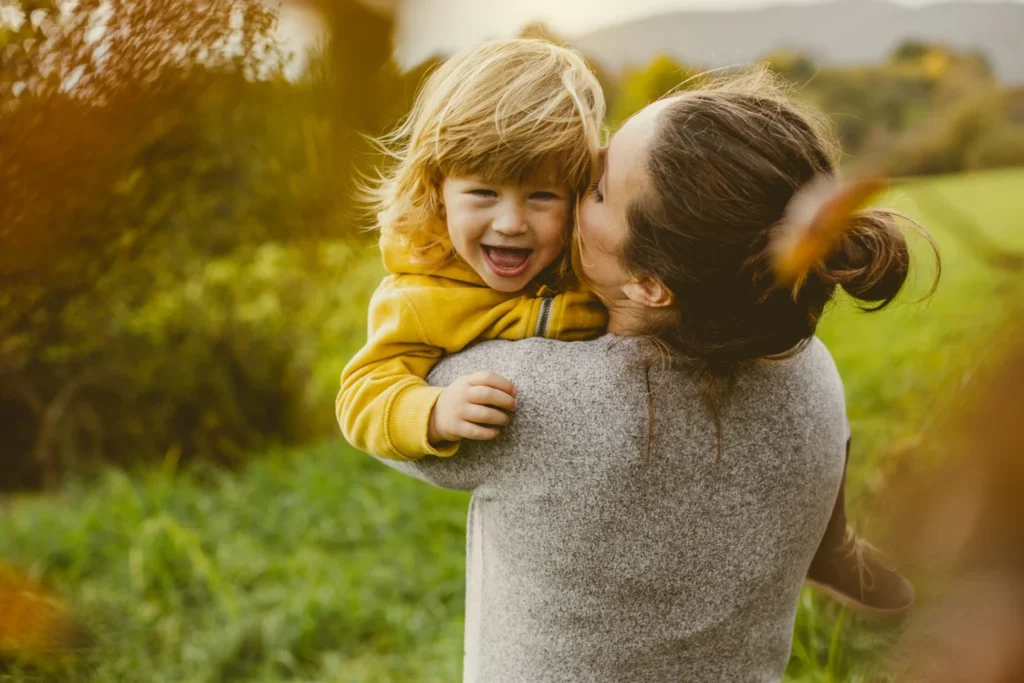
(591, 557)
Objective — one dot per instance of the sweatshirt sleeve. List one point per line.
(384, 404)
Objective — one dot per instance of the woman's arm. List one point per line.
(464, 471)
(480, 462)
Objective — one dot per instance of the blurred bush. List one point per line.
(1001, 146)
(182, 258)
(212, 358)
(945, 143)
(959, 521)
(639, 87)
(927, 110)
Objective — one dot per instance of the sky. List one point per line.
(431, 26)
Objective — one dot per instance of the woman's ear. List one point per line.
(649, 292)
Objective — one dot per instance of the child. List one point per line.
(474, 219)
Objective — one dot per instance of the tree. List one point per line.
(795, 67)
(911, 50)
(129, 168)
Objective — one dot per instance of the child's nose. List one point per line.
(511, 220)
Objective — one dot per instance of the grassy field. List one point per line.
(320, 565)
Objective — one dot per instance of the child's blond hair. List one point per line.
(500, 110)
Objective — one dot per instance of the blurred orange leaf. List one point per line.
(816, 218)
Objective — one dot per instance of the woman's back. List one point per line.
(595, 557)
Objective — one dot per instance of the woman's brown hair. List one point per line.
(724, 164)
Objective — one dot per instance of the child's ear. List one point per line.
(649, 292)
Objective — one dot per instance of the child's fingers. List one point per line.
(483, 415)
(486, 396)
(495, 381)
(475, 432)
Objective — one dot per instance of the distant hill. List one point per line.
(842, 32)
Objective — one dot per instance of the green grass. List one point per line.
(902, 365)
(315, 565)
(320, 565)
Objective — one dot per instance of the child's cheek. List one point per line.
(456, 230)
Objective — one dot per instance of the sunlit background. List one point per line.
(184, 271)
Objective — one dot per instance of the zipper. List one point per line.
(542, 319)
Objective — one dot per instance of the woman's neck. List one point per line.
(627, 318)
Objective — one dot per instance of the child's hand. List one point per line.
(468, 404)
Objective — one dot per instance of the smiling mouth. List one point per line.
(507, 262)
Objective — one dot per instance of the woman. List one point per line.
(649, 521)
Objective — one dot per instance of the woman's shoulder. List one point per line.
(814, 364)
(813, 360)
(536, 358)
(807, 382)
(810, 366)
(609, 361)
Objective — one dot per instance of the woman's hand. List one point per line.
(470, 408)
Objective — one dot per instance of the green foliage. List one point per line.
(322, 565)
(97, 169)
(794, 66)
(167, 221)
(1015, 105)
(902, 366)
(869, 102)
(206, 358)
(319, 565)
(910, 51)
(1000, 147)
(948, 143)
(927, 110)
(639, 88)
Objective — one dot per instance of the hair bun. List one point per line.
(871, 260)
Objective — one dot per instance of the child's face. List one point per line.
(508, 233)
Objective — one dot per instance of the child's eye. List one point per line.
(595, 189)
(544, 196)
(483, 192)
